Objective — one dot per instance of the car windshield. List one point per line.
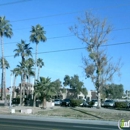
(109, 101)
(94, 100)
(57, 100)
(66, 100)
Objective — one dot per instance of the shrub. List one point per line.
(91, 103)
(75, 102)
(16, 101)
(121, 104)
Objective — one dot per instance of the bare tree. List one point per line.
(98, 66)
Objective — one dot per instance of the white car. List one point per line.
(57, 102)
(84, 104)
(95, 103)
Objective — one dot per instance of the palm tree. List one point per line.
(37, 35)
(37, 93)
(6, 66)
(45, 87)
(19, 71)
(16, 72)
(40, 63)
(6, 63)
(5, 30)
(29, 66)
(23, 49)
(29, 63)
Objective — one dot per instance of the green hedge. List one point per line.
(121, 105)
(91, 104)
(75, 102)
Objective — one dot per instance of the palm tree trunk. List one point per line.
(13, 95)
(5, 89)
(21, 91)
(24, 83)
(2, 85)
(38, 73)
(36, 61)
(21, 94)
(3, 71)
(44, 102)
(34, 101)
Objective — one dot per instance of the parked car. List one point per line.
(28, 102)
(16, 101)
(57, 102)
(95, 102)
(65, 102)
(84, 104)
(109, 103)
(102, 104)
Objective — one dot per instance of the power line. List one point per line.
(72, 49)
(69, 23)
(67, 13)
(15, 2)
(46, 16)
(69, 35)
(46, 25)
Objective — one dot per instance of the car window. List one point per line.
(66, 99)
(109, 101)
(57, 100)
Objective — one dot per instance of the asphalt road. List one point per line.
(17, 124)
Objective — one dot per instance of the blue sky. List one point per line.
(56, 16)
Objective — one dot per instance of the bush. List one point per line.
(121, 105)
(16, 101)
(91, 103)
(75, 102)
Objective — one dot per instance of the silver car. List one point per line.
(109, 103)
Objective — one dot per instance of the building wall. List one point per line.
(68, 94)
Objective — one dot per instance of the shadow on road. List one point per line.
(86, 113)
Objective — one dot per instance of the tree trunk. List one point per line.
(5, 89)
(21, 97)
(3, 71)
(34, 101)
(99, 99)
(24, 84)
(36, 61)
(13, 92)
(2, 85)
(38, 73)
(44, 102)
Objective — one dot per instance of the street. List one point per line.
(17, 124)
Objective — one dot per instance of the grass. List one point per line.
(84, 113)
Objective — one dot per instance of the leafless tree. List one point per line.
(98, 66)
